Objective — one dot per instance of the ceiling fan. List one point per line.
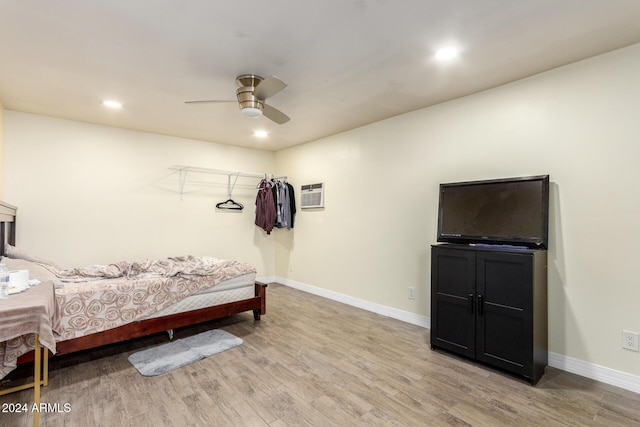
(252, 93)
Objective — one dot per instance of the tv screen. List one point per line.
(512, 211)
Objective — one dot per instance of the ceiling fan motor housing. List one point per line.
(246, 92)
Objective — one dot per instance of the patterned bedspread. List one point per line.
(100, 297)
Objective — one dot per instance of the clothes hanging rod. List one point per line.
(183, 170)
(225, 172)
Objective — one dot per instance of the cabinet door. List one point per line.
(452, 309)
(504, 311)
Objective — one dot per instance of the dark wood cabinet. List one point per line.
(490, 305)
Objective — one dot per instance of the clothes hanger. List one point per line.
(230, 203)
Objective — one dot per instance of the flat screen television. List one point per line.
(510, 211)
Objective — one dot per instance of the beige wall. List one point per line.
(96, 194)
(578, 123)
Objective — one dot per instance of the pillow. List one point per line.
(35, 271)
(13, 252)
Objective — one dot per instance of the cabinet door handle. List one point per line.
(470, 301)
(480, 305)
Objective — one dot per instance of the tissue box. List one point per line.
(18, 280)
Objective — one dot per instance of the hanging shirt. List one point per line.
(265, 207)
(285, 206)
(292, 203)
(279, 198)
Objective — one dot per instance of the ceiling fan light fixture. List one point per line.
(252, 112)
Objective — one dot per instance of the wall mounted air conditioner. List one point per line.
(312, 196)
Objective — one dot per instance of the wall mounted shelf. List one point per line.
(184, 170)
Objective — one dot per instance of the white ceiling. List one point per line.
(347, 63)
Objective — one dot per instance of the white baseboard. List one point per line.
(595, 372)
(569, 364)
(384, 310)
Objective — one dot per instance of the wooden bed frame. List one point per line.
(139, 328)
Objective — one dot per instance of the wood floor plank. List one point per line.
(316, 362)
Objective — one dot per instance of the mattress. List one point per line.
(95, 298)
(231, 290)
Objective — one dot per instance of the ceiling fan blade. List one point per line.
(274, 114)
(205, 101)
(269, 87)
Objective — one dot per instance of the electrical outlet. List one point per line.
(412, 293)
(630, 340)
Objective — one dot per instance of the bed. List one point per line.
(101, 305)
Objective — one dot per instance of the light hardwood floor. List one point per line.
(316, 362)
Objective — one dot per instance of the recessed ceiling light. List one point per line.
(447, 53)
(112, 104)
(261, 134)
